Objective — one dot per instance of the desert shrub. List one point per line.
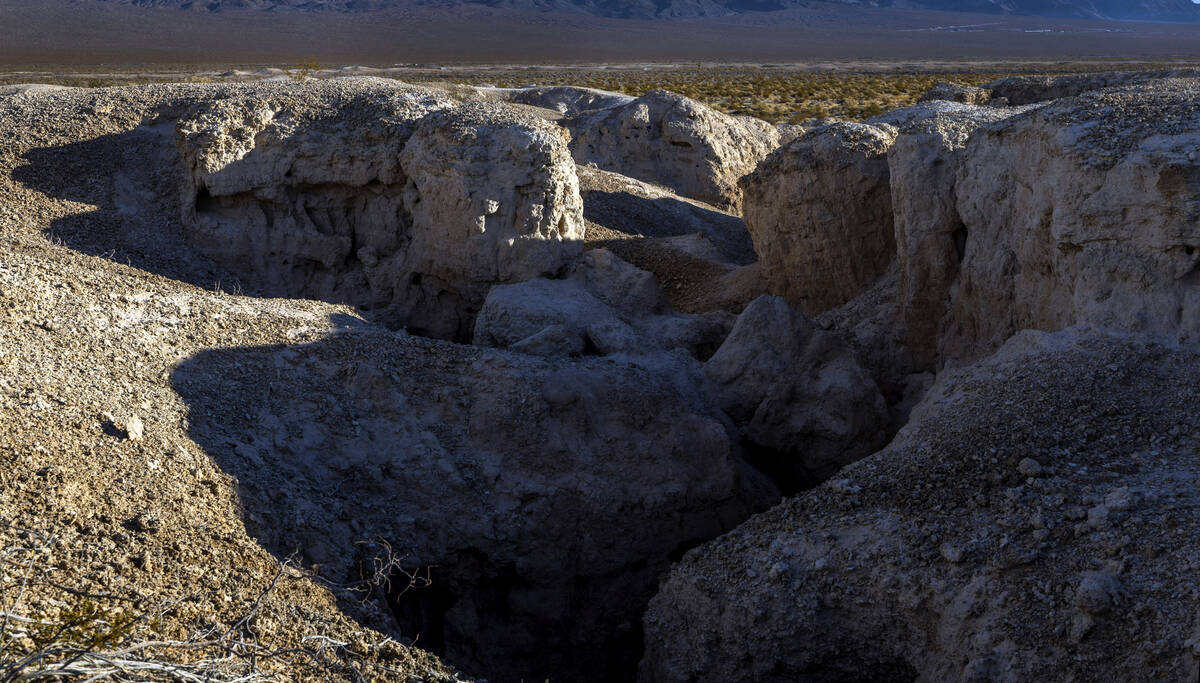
(78, 635)
(304, 70)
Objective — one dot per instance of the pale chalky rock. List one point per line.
(676, 142)
(1084, 210)
(567, 100)
(819, 211)
(930, 236)
(391, 199)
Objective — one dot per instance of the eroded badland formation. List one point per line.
(567, 384)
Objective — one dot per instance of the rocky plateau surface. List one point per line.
(357, 380)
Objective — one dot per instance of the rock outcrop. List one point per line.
(1018, 90)
(820, 213)
(288, 473)
(954, 92)
(676, 142)
(1084, 210)
(389, 198)
(543, 499)
(1003, 219)
(798, 391)
(1032, 523)
(115, 522)
(604, 307)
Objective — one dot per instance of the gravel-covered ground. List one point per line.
(115, 527)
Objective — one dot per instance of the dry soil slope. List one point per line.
(147, 526)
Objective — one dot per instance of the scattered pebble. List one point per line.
(134, 429)
(844, 486)
(1120, 499)
(1029, 467)
(146, 522)
(1097, 592)
(952, 553)
(1097, 517)
(1081, 625)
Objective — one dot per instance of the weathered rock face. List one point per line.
(1085, 210)
(604, 307)
(930, 236)
(798, 391)
(1011, 218)
(671, 140)
(544, 499)
(564, 99)
(1030, 524)
(391, 200)
(820, 213)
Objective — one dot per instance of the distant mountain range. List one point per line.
(1138, 10)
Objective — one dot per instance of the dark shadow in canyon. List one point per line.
(132, 182)
(630, 214)
(346, 451)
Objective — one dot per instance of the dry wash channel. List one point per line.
(580, 483)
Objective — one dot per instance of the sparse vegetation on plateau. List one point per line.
(778, 97)
(776, 94)
(304, 70)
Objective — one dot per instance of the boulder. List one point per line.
(798, 391)
(1031, 523)
(387, 197)
(676, 142)
(605, 306)
(1084, 210)
(819, 211)
(955, 92)
(790, 131)
(530, 506)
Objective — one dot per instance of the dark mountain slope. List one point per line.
(1147, 10)
(1144, 10)
(100, 34)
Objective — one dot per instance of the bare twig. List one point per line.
(89, 646)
